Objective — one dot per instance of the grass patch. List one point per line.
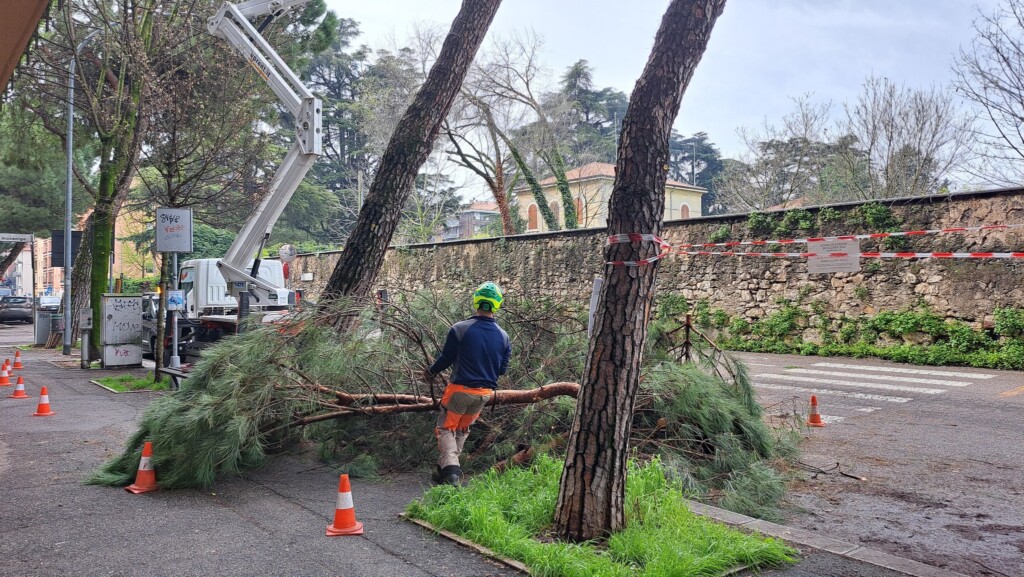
(511, 512)
(126, 383)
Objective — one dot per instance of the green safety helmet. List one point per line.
(487, 297)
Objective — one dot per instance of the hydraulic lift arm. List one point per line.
(232, 23)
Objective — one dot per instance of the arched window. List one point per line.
(684, 211)
(579, 211)
(531, 217)
(556, 210)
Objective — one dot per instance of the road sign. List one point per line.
(833, 256)
(287, 253)
(13, 237)
(57, 247)
(174, 230)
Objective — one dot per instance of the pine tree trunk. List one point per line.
(592, 488)
(11, 256)
(408, 149)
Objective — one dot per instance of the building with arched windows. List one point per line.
(591, 187)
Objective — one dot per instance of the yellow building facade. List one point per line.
(591, 187)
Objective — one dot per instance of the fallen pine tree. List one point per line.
(357, 396)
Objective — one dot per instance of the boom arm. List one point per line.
(232, 24)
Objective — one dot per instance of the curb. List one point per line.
(512, 563)
(814, 541)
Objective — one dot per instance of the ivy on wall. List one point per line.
(917, 336)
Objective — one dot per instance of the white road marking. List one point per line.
(759, 365)
(878, 386)
(850, 394)
(906, 371)
(881, 378)
(858, 409)
(836, 407)
(831, 419)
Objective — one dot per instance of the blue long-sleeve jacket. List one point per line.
(478, 350)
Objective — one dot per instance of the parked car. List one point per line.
(150, 313)
(15, 309)
(48, 304)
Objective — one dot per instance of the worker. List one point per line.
(478, 350)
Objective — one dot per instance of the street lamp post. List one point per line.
(67, 194)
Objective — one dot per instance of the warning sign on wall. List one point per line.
(833, 256)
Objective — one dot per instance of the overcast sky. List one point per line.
(762, 52)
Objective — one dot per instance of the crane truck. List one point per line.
(221, 293)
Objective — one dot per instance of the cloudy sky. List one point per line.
(762, 52)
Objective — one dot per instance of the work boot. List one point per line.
(436, 475)
(451, 475)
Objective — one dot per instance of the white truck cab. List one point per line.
(207, 295)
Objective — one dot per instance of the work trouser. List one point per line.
(460, 407)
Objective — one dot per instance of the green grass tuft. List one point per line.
(125, 383)
(511, 513)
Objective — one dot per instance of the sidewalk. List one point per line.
(268, 522)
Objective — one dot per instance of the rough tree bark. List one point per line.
(11, 256)
(408, 149)
(591, 491)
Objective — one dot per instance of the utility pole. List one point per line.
(359, 188)
(693, 164)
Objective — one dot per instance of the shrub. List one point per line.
(1009, 322)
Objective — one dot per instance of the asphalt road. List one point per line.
(941, 449)
(268, 522)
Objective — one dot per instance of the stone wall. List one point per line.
(563, 264)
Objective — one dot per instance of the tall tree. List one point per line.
(407, 150)
(477, 131)
(696, 160)
(512, 71)
(32, 173)
(991, 74)
(593, 116)
(912, 140)
(591, 493)
(347, 81)
(112, 73)
(129, 54)
(779, 163)
(893, 141)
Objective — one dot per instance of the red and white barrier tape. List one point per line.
(666, 248)
(900, 255)
(961, 229)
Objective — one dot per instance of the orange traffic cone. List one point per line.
(145, 479)
(19, 391)
(344, 514)
(814, 419)
(43, 410)
(17, 361)
(5, 380)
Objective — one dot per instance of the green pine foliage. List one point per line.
(271, 387)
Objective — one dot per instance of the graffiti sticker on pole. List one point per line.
(831, 256)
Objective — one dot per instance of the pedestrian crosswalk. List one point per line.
(847, 389)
